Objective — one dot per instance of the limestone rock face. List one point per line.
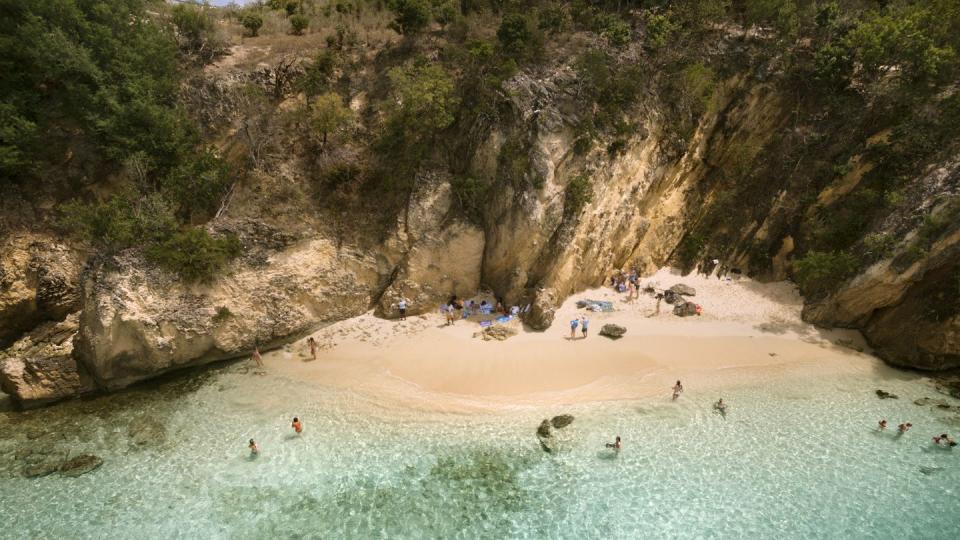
(40, 368)
(138, 322)
(439, 256)
(39, 281)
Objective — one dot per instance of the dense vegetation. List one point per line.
(91, 98)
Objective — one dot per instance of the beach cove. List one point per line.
(414, 429)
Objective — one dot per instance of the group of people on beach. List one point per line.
(583, 322)
(296, 425)
(943, 439)
(626, 282)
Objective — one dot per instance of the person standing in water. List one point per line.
(721, 407)
(584, 323)
(677, 390)
(256, 355)
(402, 308)
(573, 328)
(254, 449)
(296, 425)
(615, 444)
(313, 347)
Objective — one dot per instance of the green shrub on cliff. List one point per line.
(820, 272)
(578, 194)
(194, 255)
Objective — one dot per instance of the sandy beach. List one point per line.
(748, 333)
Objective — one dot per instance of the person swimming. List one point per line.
(945, 440)
(882, 425)
(677, 390)
(721, 407)
(254, 449)
(296, 425)
(615, 444)
(903, 428)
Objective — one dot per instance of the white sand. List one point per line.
(748, 333)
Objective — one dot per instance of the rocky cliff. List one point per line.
(731, 187)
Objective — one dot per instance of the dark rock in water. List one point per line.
(80, 465)
(544, 430)
(882, 394)
(685, 290)
(685, 309)
(146, 432)
(930, 470)
(613, 331)
(43, 468)
(562, 421)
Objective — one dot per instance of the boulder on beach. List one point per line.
(671, 297)
(883, 394)
(613, 331)
(80, 465)
(498, 332)
(543, 308)
(685, 309)
(561, 421)
(683, 289)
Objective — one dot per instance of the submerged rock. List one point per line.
(43, 468)
(544, 430)
(80, 465)
(883, 394)
(147, 432)
(561, 421)
(613, 331)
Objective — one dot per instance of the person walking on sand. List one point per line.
(584, 324)
(254, 449)
(677, 390)
(256, 355)
(312, 343)
(573, 328)
(296, 425)
(402, 308)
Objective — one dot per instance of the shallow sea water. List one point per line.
(790, 460)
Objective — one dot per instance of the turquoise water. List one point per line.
(790, 460)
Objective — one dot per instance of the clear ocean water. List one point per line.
(790, 460)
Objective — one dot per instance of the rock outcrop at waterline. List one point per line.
(137, 322)
(40, 368)
(39, 281)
